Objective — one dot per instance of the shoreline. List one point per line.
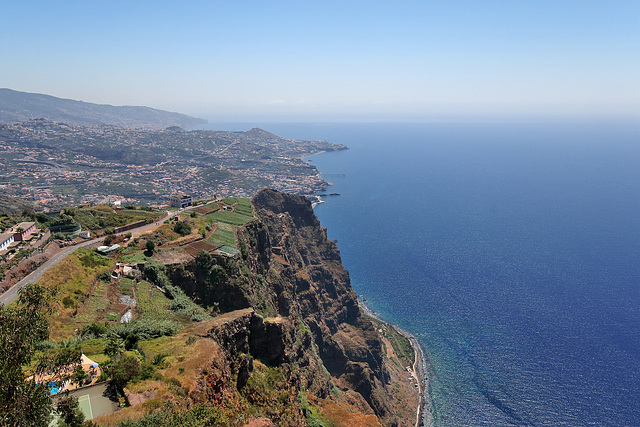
(419, 368)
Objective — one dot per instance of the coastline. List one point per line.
(419, 370)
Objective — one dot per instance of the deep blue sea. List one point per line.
(511, 251)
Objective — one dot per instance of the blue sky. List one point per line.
(346, 60)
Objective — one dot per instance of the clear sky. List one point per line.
(331, 60)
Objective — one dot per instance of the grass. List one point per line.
(135, 257)
(224, 235)
(93, 346)
(73, 277)
(152, 303)
(182, 361)
(229, 217)
(242, 213)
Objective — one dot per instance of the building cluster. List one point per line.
(55, 165)
(15, 236)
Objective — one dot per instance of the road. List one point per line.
(9, 296)
(12, 294)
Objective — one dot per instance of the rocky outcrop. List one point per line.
(294, 316)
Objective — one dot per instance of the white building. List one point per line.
(181, 200)
(5, 240)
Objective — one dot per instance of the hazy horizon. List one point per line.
(335, 61)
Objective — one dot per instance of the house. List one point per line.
(181, 200)
(23, 231)
(126, 270)
(5, 240)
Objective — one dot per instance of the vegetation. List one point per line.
(182, 228)
(69, 411)
(268, 390)
(145, 329)
(180, 303)
(170, 415)
(401, 344)
(24, 402)
(151, 246)
(224, 235)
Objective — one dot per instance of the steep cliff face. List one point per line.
(295, 317)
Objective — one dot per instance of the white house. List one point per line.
(5, 240)
(181, 200)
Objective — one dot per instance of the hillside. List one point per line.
(22, 106)
(276, 338)
(14, 205)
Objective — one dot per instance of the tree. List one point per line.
(115, 346)
(124, 370)
(69, 411)
(182, 228)
(23, 402)
(151, 246)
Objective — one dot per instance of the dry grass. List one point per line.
(74, 283)
(343, 415)
(183, 362)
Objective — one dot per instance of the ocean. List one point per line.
(510, 250)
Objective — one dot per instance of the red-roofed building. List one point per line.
(23, 231)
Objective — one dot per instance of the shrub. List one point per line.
(182, 228)
(182, 304)
(94, 330)
(158, 359)
(69, 411)
(146, 372)
(46, 345)
(146, 329)
(124, 370)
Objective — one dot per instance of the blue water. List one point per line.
(512, 251)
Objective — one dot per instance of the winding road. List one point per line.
(12, 294)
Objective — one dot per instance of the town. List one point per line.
(53, 164)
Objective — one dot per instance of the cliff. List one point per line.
(289, 345)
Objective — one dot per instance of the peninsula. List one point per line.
(53, 164)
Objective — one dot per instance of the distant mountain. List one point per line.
(21, 106)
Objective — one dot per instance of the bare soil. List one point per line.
(27, 266)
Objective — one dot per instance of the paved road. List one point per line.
(12, 294)
(9, 296)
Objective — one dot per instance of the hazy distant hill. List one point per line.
(21, 106)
